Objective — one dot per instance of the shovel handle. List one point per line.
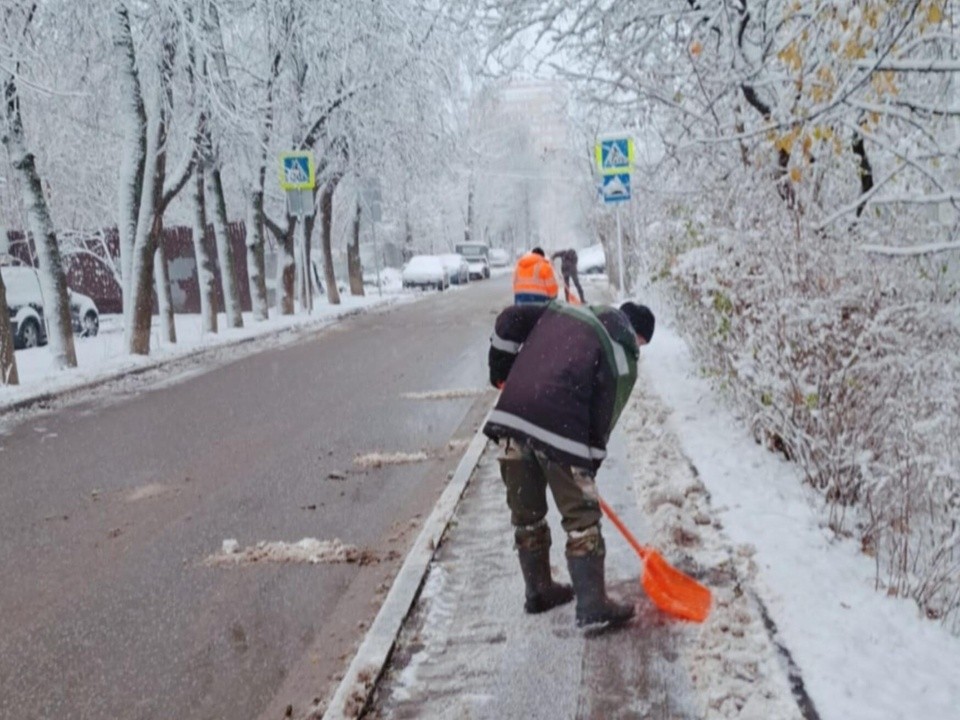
(628, 536)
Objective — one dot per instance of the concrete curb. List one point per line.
(353, 692)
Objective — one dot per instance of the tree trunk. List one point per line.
(468, 228)
(228, 273)
(287, 271)
(326, 228)
(8, 362)
(139, 314)
(161, 279)
(256, 266)
(154, 197)
(53, 280)
(354, 267)
(134, 144)
(205, 276)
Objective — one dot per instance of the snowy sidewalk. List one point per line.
(468, 649)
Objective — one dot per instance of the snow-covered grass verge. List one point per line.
(106, 356)
(846, 365)
(861, 654)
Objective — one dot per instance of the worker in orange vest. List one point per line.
(533, 279)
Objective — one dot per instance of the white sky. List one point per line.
(862, 655)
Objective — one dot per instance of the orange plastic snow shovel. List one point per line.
(669, 589)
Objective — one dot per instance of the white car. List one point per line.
(457, 267)
(425, 271)
(591, 260)
(477, 255)
(499, 257)
(25, 306)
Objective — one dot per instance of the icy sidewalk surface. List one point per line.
(469, 651)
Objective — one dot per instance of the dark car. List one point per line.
(25, 306)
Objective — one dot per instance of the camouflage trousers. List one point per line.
(527, 473)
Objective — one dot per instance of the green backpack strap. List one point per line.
(622, 364)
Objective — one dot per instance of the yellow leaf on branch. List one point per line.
(784, 143)
(790, 56)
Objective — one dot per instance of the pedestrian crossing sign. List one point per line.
(614, 155)
(297, 171)
(616, 188)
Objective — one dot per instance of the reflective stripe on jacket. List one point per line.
(533, 280)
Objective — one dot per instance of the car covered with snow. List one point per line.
(499, 257)
(457, 267)
(478, 258)
(425, 271)
(591, 260)
(26, 308)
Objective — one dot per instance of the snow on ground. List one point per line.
(444, 394)
(742, 517)
(862, 655)
(378, 459)
(734, 668)
(105, 355)
(307, 550)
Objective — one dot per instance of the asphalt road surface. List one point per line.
(109, 507)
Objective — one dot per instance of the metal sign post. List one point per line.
(623, 292)
(298, 178)
(614, 156)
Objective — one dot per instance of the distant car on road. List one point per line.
(425, 271)
(25, 307)
(457, 267)
(499, 257)
(477, 255)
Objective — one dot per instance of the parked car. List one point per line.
(25, 306)
(477, 255)
(479, 268)
(457, 267)
(425, 271)
(84, 314)
(591, 260)
(499, 257)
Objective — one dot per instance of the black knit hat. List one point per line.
(641, 318)
(539, 251)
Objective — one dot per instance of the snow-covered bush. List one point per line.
(847, 365)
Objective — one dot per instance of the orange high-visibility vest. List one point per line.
(533, 280)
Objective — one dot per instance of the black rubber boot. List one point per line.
(542, 592)
(533, 549)
(593, 605)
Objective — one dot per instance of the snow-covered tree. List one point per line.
(17, 20)
(800, 198)
(8, 362)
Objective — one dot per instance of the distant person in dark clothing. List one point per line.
(568, 268)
